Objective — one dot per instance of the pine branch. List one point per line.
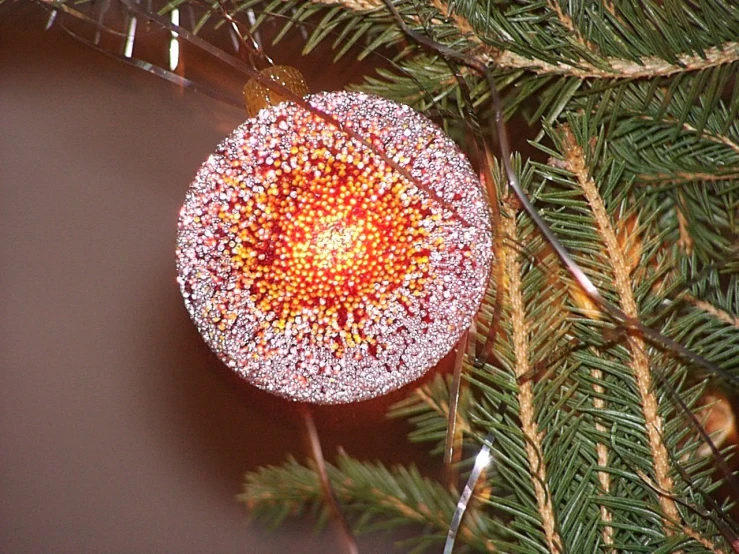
(374, 497)
(574, 159)
(529, 426)
(581, 163)
(512, 56)
(427, 409)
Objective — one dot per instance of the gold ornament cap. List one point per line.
(258, 96)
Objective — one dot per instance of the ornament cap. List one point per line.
(258, 96)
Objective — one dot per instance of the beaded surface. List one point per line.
(314, 268)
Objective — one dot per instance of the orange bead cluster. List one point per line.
(330, 233)
(317, 270)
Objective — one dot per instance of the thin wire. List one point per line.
(52, 18)
(104, 5)
(252, 49)
(174, 42)
(452, 434)
(482, 460)
(55, 7)
(161, 72)
(330, 495)
(130, 38)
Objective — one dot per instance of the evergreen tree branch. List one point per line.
(709, 296)
(685, 241)
(687, 530)
(590, 310)
(645, 67)
(673, 178)
(592, 455)
(505, 57)
(529, 427)
(355, 5)
(373, 497)
(575, 162)
(427, 408)
(699, 133)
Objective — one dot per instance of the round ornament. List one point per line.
(316, 269)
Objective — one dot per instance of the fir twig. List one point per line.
(533, 436)
(574, 158)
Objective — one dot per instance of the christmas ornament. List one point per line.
(316, 269)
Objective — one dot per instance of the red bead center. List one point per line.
(329, 234)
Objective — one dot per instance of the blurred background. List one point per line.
(120, 432)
